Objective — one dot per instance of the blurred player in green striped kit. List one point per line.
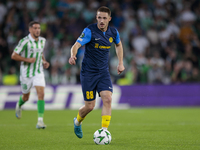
(30, 52)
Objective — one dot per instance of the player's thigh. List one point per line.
(26, 85)
(39, 80)
(89, 84)
(105, 83)
(39, 84)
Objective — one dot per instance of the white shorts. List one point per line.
(28, 83)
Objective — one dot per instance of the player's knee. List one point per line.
(90, 107)
(41, 96)
(107, 99)
(25, 97)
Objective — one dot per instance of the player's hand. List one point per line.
(72, 60)
(30, 60)
(45, 64)
(120, 69)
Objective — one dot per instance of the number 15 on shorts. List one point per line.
(89, 95)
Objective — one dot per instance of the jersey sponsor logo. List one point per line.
(110, 39)
(96, 45)
(104, 47)
(101, 46)
(82, 35)
(37, 50)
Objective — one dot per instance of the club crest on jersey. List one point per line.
(110, 39)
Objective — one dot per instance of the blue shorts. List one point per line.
(95, 82)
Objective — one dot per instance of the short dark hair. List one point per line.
(104, 9)
(32, 23)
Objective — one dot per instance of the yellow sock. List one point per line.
(105, 121)
(79, 118)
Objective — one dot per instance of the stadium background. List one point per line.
(161, 56)
(161, 40)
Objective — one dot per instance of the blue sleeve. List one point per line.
(117, 39)
(85, 37)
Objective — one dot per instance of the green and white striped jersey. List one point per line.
(29, 48)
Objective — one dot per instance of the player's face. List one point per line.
(35, 30)
(102, 20)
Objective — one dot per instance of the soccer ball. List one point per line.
(102, 137)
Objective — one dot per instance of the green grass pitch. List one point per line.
(131, 129)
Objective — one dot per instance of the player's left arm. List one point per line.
(119, 51)
(45, 63)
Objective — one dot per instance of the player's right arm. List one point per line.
(17, 57)
(22, 45)
(83, 39)
(74, 49)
